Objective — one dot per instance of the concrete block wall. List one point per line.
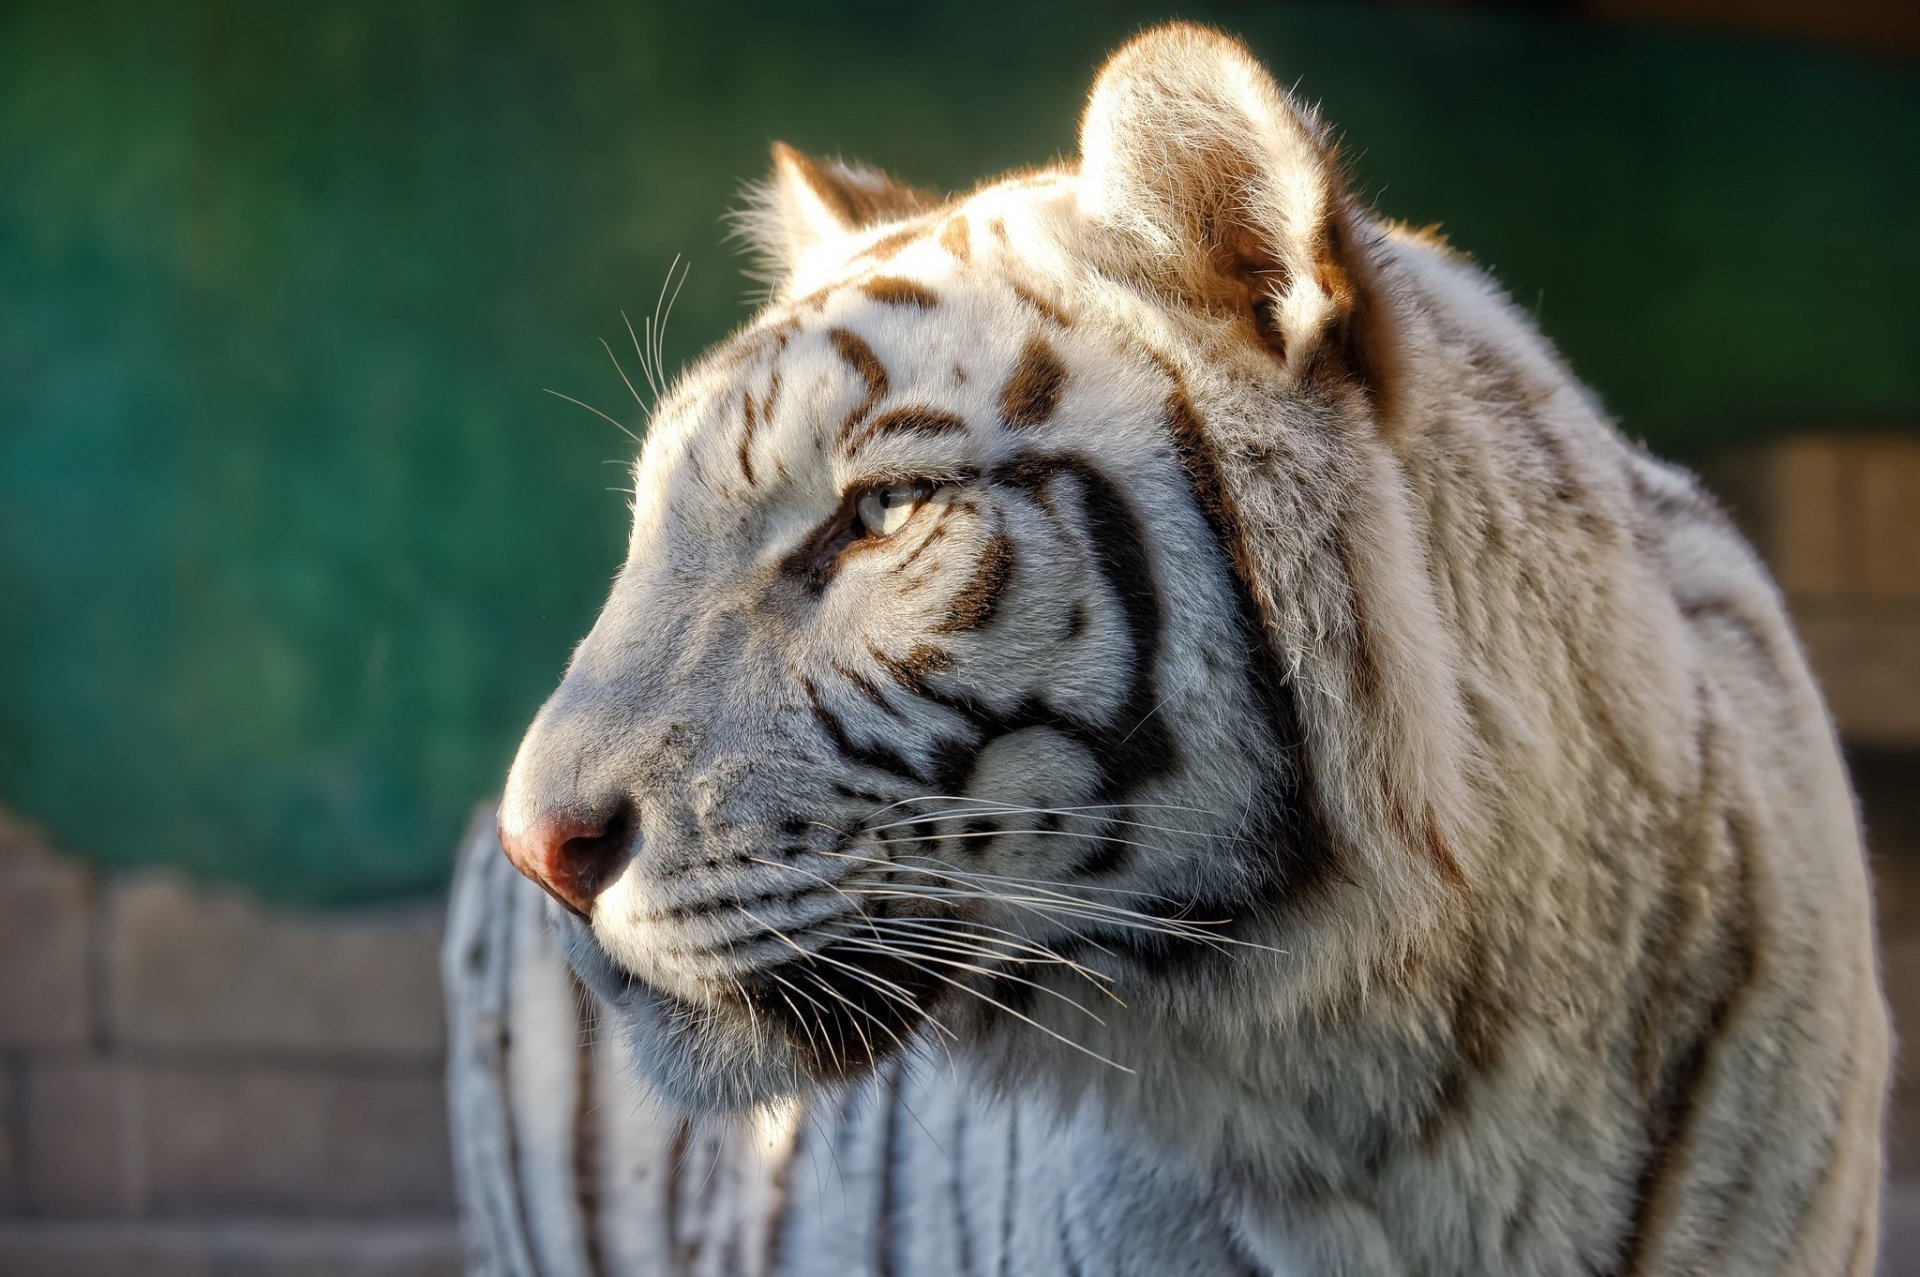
(1837, 517)
(192, 1084)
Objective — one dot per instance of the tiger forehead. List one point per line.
(924, 355)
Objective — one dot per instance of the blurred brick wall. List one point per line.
(192, 1086)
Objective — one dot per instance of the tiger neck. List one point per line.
(1313, 1139)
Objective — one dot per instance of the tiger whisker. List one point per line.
(1007, 950)
(1092, 910)
(660, 325)
(644, 410)
(996, 1003)
(1015, 935)
(990, 802)
(876, 925)
(829, 989)
(596, 412)
(805, 1024)
(641, 355)
(965, 835)
(1063, 812)
(886, 988)
(919, 939)
(882, 947)
(1045, 908)
(938, 868)
(973, 878)
(859, 915)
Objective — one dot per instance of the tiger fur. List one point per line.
(1294, 792)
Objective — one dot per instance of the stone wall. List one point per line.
(193, 1085)
(1837, 517)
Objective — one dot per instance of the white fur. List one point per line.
(1597, 898)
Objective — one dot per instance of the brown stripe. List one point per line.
(1478, 1021)
(1033, 391)
(752, 421)
(1046, 308)
(867, 688)
(915, 419)
(1442, 854)
(1481, 1014)
(934, 533)
(892, 290)
(911, 670)
(1860, 1259)
(860, 357)
(955, 238)
(980, 597)
(773, 394)
(855, 198)
(1366, 670)
(887, 245)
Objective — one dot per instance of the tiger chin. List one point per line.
(1187, 648)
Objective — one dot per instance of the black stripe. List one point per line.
(911, 670)
(586, 1135)
(701, 908)
(867, 688)
(1670, 1119)
(963, 1226)
(878, 757)
(680, 1251)
(1069, 1255)
(781, 1215)
(1012, 1194)
(1295, 824)
(1748, 629)
(886, 1235)
(505, 960)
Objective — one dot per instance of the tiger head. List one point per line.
(939, 686)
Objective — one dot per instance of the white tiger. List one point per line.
(1149, 725)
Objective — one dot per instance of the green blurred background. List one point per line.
(291, 541)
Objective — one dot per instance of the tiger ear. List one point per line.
(1230, 195)
(806, 204)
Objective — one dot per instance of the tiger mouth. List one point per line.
(842, 1009)
(832, 1002)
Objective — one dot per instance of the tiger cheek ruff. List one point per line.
(1149, 721)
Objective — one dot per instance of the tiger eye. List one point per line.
(883, 510)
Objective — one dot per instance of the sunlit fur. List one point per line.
(1304, 791)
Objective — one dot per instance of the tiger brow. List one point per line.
(916, 419)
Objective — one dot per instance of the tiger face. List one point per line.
(930, 687)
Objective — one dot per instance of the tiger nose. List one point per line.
(570, 853)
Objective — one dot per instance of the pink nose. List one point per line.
(571, 854)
